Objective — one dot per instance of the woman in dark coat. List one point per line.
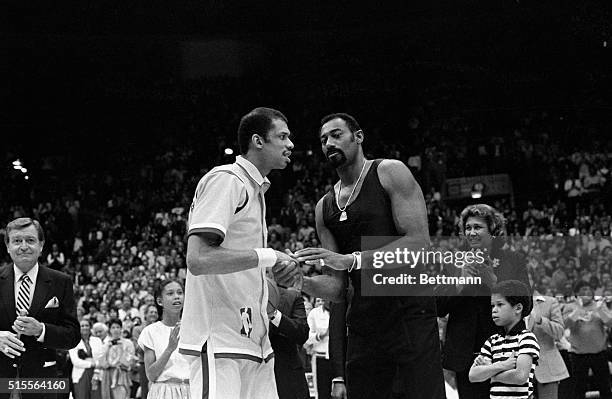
(468, 307)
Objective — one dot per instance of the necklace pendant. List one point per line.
(343, 216)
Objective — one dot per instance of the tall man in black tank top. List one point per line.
(390, 339)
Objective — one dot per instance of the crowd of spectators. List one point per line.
(121, 229)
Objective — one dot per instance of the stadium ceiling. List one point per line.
(227, 17)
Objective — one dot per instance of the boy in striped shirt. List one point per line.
(509, 358)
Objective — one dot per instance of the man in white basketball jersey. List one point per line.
(224, 328)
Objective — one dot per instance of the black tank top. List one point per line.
(370, 215)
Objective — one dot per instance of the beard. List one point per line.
(337, 158)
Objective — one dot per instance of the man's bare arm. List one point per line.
(409, 216)
(206, 256)
(407, 206)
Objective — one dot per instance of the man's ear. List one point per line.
(257, 141)
(359, 136)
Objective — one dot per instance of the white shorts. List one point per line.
(166, 390)
(228, 378)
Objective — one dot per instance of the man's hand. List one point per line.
(26, 325)
(482, 361)
(10, 345)
(338, 390)
(286, 271)
(298, 283)
(324, 257)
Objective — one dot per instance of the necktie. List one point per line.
(23, 297)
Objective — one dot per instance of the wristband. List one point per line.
(266, 257)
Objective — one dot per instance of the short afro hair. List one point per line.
(515, 292)
(258, 121)
(351, 122)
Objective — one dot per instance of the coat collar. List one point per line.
(43, 286)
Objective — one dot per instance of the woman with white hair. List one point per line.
(100, 330)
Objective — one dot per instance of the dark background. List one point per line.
(110, 73)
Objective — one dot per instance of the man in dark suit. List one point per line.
(37, 308)
(288, 332)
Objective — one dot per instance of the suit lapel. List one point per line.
(283, 304)
(43, 285)
(7, 292)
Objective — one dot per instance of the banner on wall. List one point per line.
(478, 186)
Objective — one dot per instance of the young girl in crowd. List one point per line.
(116, 363)
(165, 367)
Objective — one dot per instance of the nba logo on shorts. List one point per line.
(246, 317)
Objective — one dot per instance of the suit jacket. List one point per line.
(286, 339)
(469, 313)
(79, 365)
(61, 324)
(550, 367)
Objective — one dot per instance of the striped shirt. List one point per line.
(500, 347)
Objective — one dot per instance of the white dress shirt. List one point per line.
(33, 275)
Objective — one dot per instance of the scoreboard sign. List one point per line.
(486, 185)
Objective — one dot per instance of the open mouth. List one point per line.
(177, 303)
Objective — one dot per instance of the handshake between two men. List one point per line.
(288, 272)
